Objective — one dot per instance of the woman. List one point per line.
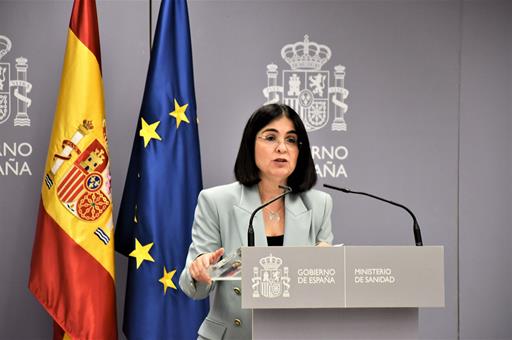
(274, 151)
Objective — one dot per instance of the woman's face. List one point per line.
(276, 150)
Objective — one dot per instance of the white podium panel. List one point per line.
(351, 292)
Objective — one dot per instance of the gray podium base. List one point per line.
(350, 323)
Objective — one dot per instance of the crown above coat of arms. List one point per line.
(271, 262)
(5, 45)
(306, 54)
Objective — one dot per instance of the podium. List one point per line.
(347, 292)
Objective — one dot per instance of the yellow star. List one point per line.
(166, 280)
(148, 131)
(141, 253)
(179, 113)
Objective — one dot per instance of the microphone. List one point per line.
(250, 231)
(416, 227)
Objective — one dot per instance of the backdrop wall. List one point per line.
(428, 123)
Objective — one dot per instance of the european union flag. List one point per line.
(160, 193)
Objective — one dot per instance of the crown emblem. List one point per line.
(86, 126)
(306, 54)
(94, 160)
(5, 45)
(270, 262)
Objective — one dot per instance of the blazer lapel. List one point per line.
(297, 222)
(250, 200)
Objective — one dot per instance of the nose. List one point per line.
(281, 146)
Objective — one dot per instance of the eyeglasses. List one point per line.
(272, 140)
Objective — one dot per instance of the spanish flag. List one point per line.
(72, 272)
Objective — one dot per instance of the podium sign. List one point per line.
(342, 277)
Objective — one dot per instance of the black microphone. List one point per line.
(416, 227)
(250, 231)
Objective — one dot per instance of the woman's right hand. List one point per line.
(199, 267)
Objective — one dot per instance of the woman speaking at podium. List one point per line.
(274, 152)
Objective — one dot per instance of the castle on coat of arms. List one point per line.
(305, 86)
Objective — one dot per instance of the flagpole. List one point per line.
(150, 25)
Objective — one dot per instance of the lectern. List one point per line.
(347, 292)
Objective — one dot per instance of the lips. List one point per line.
(280, 160)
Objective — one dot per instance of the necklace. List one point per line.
(274, 215)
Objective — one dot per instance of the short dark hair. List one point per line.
(303, 177)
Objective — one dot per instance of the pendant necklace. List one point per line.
(274, 215)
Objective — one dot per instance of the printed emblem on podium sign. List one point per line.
(306, 87)
(18, 88)
(270, 280)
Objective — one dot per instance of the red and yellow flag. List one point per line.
(72, 271)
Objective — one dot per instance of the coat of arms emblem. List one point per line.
(85, 188)
(305, 87)
(270, 280)
(80, 189)
(20, 85)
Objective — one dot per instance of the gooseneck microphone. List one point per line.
(250, 231)
(416, 227)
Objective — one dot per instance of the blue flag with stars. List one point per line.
(161, 189)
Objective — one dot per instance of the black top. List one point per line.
(275, 240)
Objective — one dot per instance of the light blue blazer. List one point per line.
(221, 220)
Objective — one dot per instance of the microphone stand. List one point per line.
(250, 231)
(416, 227)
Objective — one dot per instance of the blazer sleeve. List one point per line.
(324, 233)
(205, 239)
